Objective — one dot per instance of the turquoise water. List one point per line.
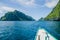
(27, 30)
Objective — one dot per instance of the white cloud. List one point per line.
(31, 3)
(25, 2)
(51, 3)
(4, 9)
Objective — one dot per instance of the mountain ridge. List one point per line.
(16, 16)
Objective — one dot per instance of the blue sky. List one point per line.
(34, 8)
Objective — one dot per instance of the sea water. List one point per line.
(29, 30)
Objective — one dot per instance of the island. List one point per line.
(16, 16)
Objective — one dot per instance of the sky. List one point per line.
(33, 8)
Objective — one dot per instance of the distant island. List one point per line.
(55, 14)
(16, 16)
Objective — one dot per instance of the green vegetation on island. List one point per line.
(16, 16)
(55, 14)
